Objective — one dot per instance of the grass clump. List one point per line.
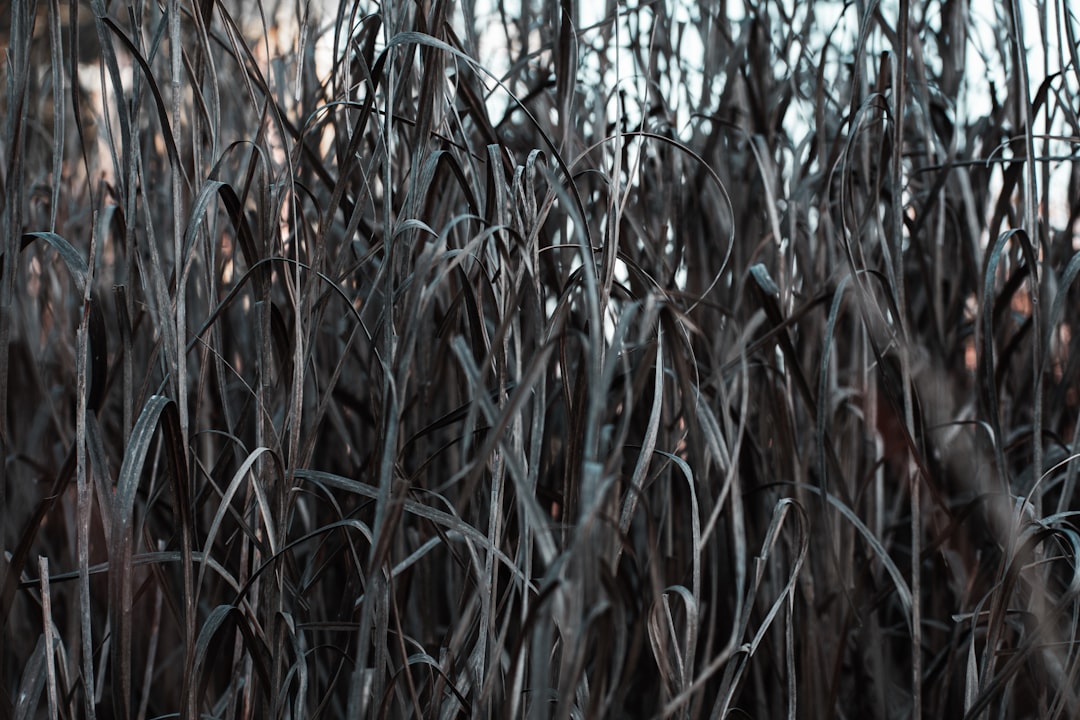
(497, 360)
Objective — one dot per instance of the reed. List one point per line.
(484, 360)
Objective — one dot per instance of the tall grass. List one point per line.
(461, 360)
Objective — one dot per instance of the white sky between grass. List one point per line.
(989, 21)
(988, 24)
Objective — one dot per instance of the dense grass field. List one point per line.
(489, 359)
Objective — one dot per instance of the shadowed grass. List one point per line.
(464, 360)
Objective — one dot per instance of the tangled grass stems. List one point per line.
(539, 360)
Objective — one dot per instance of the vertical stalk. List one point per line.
(897, 200)
(1031, 225)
